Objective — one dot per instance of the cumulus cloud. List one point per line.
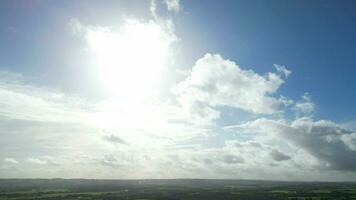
(215, 81)
(305, 106)
(330, 143)
(243, 159)
(349, 140)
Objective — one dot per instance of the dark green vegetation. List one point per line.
(187, 189)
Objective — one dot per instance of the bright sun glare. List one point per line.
(130, 59)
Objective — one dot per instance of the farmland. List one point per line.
(190, 189)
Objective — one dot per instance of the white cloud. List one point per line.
(44, 160)
(36, 161)
(52, 129)
(153, 8)
(305, 106)
(283, 70)
(285, 101)
(27, 102)
(216, 81)
(11, 161)
(173, 5)
(232, 159)
(76, 26)
(179, 137)
(331, 144)
(349, 140)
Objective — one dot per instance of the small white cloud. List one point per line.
(283, 70)
(173, 5)
(285, 101)
(153, 8)
(11, 161)
(76, 26)
(36, 161)
(305, 106)
(232, 159)
(44, 160)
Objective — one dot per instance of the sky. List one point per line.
(178, 89)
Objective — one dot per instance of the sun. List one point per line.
(131, 58)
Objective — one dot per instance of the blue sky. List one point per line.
(314, 39)
(208, 87)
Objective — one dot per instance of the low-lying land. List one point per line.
(187, 189)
